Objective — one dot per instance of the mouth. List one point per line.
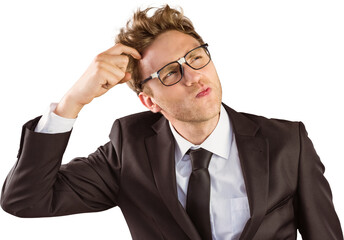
(204, 92)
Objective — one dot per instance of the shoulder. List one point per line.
(279, 132)
(274, 123)
(266, 127)
(137, 124)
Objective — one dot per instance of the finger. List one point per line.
(109, 79)
(119, 49)
(117, 71)
(126, 78)
(120, 61)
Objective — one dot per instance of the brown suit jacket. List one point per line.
(135, 170)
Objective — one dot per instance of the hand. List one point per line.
(106, 71)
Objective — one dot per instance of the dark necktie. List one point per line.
(198, 195)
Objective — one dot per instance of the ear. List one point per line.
(149, 102)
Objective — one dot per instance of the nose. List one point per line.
(190, 76)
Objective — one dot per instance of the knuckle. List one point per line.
(99, 57)
(121, 75)
(98, 65)
(125, 60)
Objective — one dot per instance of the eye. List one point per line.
(169, 74)
(194, 58)
(197, 58)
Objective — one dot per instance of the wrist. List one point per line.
(68, 107)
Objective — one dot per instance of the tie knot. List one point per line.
(200, 158)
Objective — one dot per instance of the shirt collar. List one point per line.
(218, 142)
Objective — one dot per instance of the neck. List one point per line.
(196, 132)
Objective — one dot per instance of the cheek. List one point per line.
(210, 70)
(167, 95)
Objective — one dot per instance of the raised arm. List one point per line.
(38, 185)
(106, 71)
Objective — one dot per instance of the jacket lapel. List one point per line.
(160, 149)
(253, 154)
(254, 159)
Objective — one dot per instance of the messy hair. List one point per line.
(142, 30)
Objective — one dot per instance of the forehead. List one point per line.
(168, 46)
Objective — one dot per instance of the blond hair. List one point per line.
(142, 30)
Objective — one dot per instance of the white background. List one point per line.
(279, 59)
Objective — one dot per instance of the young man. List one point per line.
(190, 168)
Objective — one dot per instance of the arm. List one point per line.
(106, 71)
(317, 218)
(38, 185)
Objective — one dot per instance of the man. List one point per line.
(190, 168)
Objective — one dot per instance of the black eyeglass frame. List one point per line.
(180, 61)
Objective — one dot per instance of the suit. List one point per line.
(135, 170)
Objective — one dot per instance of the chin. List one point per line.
(204, 113)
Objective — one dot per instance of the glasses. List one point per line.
(173, 72)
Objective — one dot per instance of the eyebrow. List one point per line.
(171, 67)
(186, 52)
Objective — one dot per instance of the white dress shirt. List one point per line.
(229, 208)
(52, 123)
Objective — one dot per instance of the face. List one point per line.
(196, 98)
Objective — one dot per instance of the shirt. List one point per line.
(229, 208)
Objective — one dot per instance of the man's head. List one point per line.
(143, 29)
(164, 37)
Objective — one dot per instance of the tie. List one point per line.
(198, 195)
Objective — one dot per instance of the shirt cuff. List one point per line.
(52, 123)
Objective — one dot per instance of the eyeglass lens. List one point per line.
(172, 72)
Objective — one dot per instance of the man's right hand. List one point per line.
(107, 70)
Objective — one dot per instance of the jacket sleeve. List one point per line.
(38, 186)
(317, 219)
